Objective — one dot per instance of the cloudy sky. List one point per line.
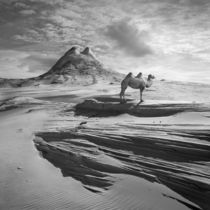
(169, 38)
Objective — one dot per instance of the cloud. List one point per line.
(21, 5)
(37, 62)
(20, 64)
(194, 2)
(50, 2)
(27, 12)
(129, 38)
(166, 28)
(9, 62)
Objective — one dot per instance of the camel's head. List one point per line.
(150, 76)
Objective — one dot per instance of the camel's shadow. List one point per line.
(96, 107)
(111, 99)
(131, 100)
(128, 101)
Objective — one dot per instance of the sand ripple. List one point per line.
(106, 156)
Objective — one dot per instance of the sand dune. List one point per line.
(94, 154)
(90, 161)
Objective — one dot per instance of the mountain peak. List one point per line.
(73, 51)
(88, 51)
(74, 59)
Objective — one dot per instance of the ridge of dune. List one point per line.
(17, 102)
(99, 151)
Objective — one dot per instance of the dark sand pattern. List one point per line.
(104, 106)
(99, 151)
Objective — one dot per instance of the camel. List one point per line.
(136, 83)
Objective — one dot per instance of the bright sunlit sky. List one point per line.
(168, 38)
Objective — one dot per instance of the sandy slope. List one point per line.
(108, 162)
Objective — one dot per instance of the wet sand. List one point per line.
(54, 159)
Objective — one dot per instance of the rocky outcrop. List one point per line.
(74, 67)
(101, 107)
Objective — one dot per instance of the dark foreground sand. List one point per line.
(56, 157)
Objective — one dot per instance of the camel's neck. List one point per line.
(149, 83)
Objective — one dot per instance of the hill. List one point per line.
(73, 68)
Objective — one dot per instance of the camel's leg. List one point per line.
(141, 91)
(141, 99)
(122, 94)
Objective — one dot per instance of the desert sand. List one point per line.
(54, 155)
